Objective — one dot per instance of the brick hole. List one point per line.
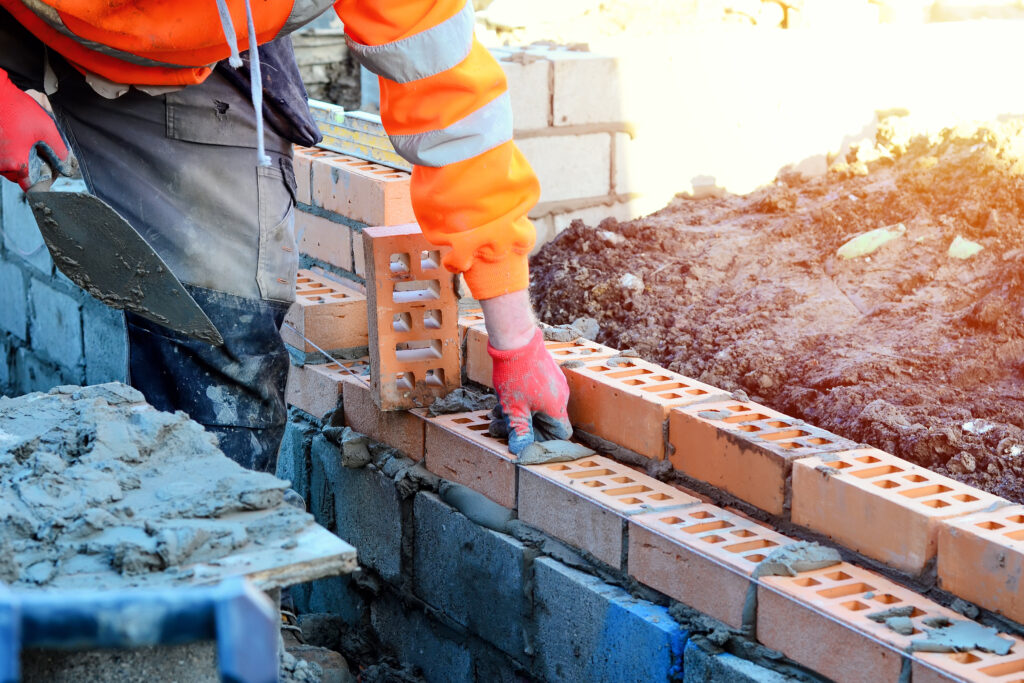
(588, 463)
(401, 322)
(670, 520)
(432, 319)
(479, 427)
(887, 599)
(558, 468)
(991, 526)
(396, 175)
(303, 280)
(854, 605)
(1016, 519)
(412, 351)
(1004, 669)
(670, 397)
(708, 526)
(405, 381)
(559, 345)
(318, 290)
(779, 423)
(964, 657)
(922, 491)
(743, 533)
(417, 290)
(751, 545)
(837, 576)
(435, 378)
(789, 434)
(400, 264)
(462, 420)
(736, 409)
(430, 260)
(937, 503)
(806, 582)
(622, 491)
(877, 471)
(868, 459)
(750, 417)
(660, 378)
(848, 589)
(629, 373)
(886, 484)
(631, 501)
(341, 295)
(633, 382)
(594, 483)
(702, 514)
(714, 538)
(915, 478)
(1015, 535)
(590, 473)
(757, 557)
(790, 445)
(664, 387)
(838, 464)
(696, 392)
(622, 480)
(818, 441)
(748, 428)
(659, 496)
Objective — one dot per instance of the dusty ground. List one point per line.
(908, 349)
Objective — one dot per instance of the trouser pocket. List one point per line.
(278, 255)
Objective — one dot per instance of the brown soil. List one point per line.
(908, 350)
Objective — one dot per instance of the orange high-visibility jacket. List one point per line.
(443, 100)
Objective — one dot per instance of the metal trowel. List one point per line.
(104, 255)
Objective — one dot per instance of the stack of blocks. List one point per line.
(661, 535)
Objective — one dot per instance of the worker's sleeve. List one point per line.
(445, 105)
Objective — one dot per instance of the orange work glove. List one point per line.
(28, 138)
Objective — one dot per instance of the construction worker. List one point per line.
(156, 101)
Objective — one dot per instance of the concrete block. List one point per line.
(367, 509)
(587, 88)
(30, 373)
(570, 166)
(324, 475)
(5, 368)
(106, 343)
(21, 238)
(700, 666)
(293, 460)
(324, 240)
(334, 595)
(416, 639)
(529, 87)
(588, 630)
(474, 575)
(14, 312)
(56, 325)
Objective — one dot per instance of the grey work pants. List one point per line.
(181, 168)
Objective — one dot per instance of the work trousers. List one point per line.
(181, 168)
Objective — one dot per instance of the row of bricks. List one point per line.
(694, 552)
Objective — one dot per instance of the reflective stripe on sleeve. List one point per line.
(421, 55)
(303, 12)
(474, 134)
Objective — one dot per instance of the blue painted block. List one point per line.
(472, 574)
(421, 642)
(588, 630)
(700, 666)
(293, 463)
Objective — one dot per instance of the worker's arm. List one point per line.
(445, 105)
(28, 137)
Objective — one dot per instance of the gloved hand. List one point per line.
(28, 137)
(531, 389)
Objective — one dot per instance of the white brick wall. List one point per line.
(528, 82)
(570, 166)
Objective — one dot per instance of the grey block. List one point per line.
(421, 642)
(56, 325)
(106, 343)
(5, 368)
(472, 574)
(700, 666)
(30, 373)
(14, 311)
(365, 508)
(334, 595)
(588, 630)
(293, 463)
(21, 237)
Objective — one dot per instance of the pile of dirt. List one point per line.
(99, 489)
(908, 348)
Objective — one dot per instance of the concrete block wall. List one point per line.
(51, 332)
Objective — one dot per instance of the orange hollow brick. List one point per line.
(460, 449)
(400, 430)
(975, 665)
(361, 190)
(480, 367)
(745, 448)
(324, 240)
(586, 502)
(317, 389)
(413, 319)
(327, 314)
(626, 401)
(302, 163)
(681, 553)
(844, 645)
(981, 559)
(879, 505)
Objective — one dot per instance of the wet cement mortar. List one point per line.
(907, 349)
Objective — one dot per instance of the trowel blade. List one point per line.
(101, 253)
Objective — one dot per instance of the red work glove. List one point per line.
(28, 137)
(532, 394)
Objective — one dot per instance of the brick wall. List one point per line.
(51, 332)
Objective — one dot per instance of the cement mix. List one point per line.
(100, 490)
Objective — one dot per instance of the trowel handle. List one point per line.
(44, 166)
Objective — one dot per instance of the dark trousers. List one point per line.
(181, 168)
